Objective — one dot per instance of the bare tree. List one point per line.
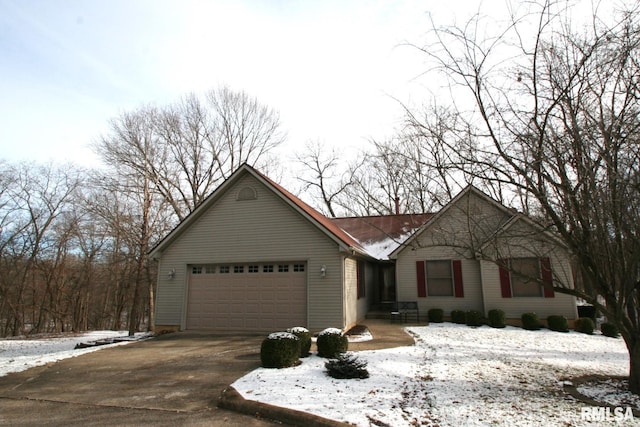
(35, 203)
(554, 123)
(173, 157)
(322, 175)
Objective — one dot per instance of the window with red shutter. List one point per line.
(457, 278)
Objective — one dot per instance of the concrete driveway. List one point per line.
(174, 379)
(170, 380)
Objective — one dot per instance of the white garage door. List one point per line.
(247, 297)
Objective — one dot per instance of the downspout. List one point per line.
(344, 293)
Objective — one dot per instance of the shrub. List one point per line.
(459, 317)
(280, 350)
(474, 318)
(496, 318)
(609, 330)
(584, 325)
(435, 315)
(347, 366)
(530, 321)
(331, 342)
(558, 323)
(305, 339)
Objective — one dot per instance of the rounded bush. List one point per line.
(558, 323)
(530, 321)
(474, 318)
(435, 315)
(584, 325)
(280, 350)
(609, 330)
(495, 318)
(304, 336)
(459, 317)
(331, 342)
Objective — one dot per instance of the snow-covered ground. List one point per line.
(21, 354)
(456, 375)
(453, 376)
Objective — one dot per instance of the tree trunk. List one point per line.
(634, 365)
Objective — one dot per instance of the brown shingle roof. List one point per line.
(368, 229)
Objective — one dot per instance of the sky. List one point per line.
(336, 70)
(333, 69)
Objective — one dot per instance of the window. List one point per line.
(525, 277)
(238, 268)
(439, 278)
(196, 270)
(283, 268)
(247, 193)
(254, 269)
(210, 269)
(267, 268)
(298, 268)
(224, 269)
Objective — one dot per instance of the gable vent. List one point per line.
(247, 193)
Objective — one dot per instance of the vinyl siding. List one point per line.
(521, 241)
(266, 229)
(407, 281)
(471, 223)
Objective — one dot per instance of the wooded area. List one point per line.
(74, 242)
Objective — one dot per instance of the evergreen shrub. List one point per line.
(530, 321)
(495, 318)
(459, 317)
(280, 350)
(474, 318)
(558, 323)
(304, 336)
(331, 342)
(435, 315)
(609, 330)
(347, 366)
(584, 325)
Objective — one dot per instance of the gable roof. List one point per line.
(381, 237)
(319, 218)
(470, 189)
(322, 222)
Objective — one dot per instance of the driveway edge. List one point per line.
(232, 400)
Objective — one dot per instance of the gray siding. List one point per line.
(266, 229)
(407, 281)
(521, 241)
(471, 223)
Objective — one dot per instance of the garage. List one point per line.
(247, 297)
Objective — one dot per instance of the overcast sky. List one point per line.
(331, 68)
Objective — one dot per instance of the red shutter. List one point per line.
(547, 277)
(458, 286)
(421, 276)
(505, 279)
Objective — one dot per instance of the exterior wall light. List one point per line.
(172, 274)
(323, 270)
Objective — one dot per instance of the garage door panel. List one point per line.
(247, 301)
